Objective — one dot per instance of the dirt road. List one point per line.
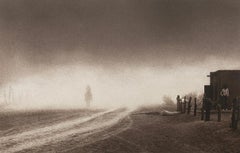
(117, 131)
(68, 133)
(181, 133)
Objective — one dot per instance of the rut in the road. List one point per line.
(61, 131)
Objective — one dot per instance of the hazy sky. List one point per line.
(113, 35)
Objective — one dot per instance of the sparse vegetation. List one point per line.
(168, 103)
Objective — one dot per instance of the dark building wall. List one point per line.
(230, 78)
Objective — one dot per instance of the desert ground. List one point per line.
(145, 130)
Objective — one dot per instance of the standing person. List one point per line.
(224, 96)
(178, 102)
(88, 96)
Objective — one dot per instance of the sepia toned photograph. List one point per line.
(119, 76)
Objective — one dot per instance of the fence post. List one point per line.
(202, 109)
(219, 109)
(195, 106)
(238, 112)
(177, 105)
(208, 106)
(235, 113)
(189, 105)
(180, 107)
(184, 105)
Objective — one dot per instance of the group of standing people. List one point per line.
(183, 104)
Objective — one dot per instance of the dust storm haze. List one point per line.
(130, 52)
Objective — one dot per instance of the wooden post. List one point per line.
(177, 106)
(219, 109)
(235, 113)
(184, 105)
(233, 126)
(208, 106)
(238, 113)
(195, 106)
(202, 110)
(189, 105)
(180, 107)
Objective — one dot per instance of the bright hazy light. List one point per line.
(65, 86)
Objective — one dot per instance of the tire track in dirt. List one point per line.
(56, 133)
(54, 119)
(78, 141)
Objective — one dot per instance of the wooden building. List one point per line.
(221, 78)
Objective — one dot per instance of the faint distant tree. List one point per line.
(191, 94)
(88, 96)
(199, 96)
(168, 103)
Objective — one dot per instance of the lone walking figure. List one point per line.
(88, 96)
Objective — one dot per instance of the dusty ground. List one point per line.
(12, 122)
(171, 134)
(133, 133)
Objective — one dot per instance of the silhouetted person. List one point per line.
(178, 102)
(88, 96)
(224, 96)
